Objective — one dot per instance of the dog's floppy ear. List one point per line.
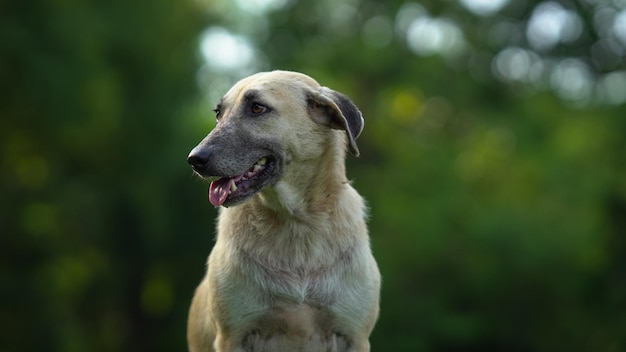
(335, 110)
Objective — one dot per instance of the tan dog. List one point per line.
(292, 268)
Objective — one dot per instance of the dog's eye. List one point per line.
(217, 112)
(257, 109)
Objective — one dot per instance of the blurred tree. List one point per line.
(95, 100)
(492, 159)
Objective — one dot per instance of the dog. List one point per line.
(292, 268)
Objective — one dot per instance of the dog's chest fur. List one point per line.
(289, 259)
(289, 275)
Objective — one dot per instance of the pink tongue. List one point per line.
(219, 190)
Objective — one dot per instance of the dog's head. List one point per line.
(264, 123)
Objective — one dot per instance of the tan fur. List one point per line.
(292, 268)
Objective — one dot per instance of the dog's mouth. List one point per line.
(232, 190)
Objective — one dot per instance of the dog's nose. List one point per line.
(198, 158)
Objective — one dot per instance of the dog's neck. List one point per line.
(312, 188)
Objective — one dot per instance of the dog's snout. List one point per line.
(198, 158)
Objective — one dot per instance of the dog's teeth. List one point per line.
(256, 168)
(233, 187)
(261, 161)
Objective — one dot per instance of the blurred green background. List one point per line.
(493, 159)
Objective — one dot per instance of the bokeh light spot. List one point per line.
(226, 51)
(484, 7)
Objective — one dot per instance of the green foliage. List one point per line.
(497, 204)
(99, 211)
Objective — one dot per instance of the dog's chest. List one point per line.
(271, 266)
(291, 260)
(298, 275)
